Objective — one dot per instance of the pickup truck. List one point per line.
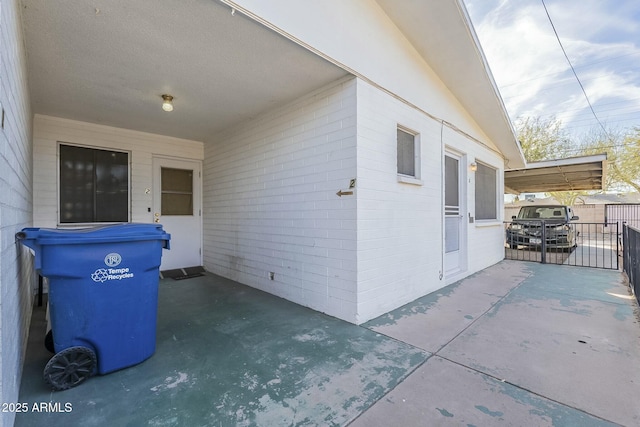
(534, 221)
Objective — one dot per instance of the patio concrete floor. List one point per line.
(519, 344)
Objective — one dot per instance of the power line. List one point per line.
(572, 69)
(577, 118)
(558, 84)
(616, 112)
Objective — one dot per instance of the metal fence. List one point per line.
(623, 213)
(631, 257)
(596, 245)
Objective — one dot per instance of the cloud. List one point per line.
(609, 21)
(534, 77)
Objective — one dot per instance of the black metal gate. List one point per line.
(596, 245)
(631, 251)
(620, 213)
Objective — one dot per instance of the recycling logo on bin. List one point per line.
(112, 260)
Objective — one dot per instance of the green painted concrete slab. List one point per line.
(432, 321)
(576, 284)
(515, 344)
(553, 345)
(229, 355)
(568, 333)
(442, 393)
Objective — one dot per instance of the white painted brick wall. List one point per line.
(48, 131)
(399, 224)
(485, 237)
(270, 202)
(17, 279)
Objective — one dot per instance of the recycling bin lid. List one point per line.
(99, 234)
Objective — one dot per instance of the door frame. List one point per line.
(462, 265)
(179, 163)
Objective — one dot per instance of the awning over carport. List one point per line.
(576, 173)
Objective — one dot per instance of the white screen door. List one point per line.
(177, 206)
(452, 213)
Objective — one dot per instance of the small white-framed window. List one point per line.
(486, 192)
(408, 152)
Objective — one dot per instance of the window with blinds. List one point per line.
(406, 153)
(486, 192)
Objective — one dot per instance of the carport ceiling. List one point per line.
(579, 173)
(109, 62)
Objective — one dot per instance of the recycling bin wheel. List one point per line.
(70, 367)
(48, 342)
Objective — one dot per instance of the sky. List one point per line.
(601, 39)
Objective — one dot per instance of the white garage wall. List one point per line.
(400, 224)
(48, 131)
(270, 202)
(17, 278)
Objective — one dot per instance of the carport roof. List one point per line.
(572, 174)
(109, 62)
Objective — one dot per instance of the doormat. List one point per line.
(183, 273)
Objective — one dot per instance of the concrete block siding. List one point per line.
(16, 278)
(485, 238)
(270, 203)
(400, 224)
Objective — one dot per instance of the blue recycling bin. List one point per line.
(103, 296)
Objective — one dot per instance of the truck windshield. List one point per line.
(542, 212)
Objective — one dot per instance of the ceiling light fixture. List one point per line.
(167, 103)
